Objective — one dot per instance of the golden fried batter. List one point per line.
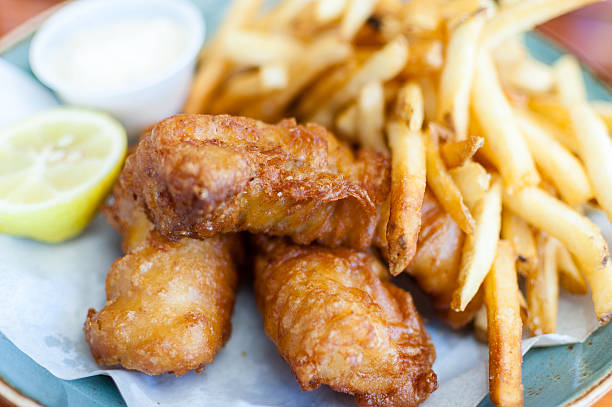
(198, 175)
(169, 304)
(337, 320)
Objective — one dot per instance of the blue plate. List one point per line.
(574, 375)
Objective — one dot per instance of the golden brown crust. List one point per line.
(198, 175)
(337, 320)
(169, 304)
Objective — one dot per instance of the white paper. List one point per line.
(45, 291)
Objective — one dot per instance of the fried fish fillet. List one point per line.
(337, 320)
(199, 175)
(169, 304)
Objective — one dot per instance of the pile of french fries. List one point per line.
(510, 147)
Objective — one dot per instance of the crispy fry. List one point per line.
(523, 15)
(273, 76)
(570, 277)
(517, 231)
(426, 56)
(500, 131)
(410, 106)
(420, 18)
(581, 237)
(430, 96)
(480, 325)
(552, 114)
(472, 180)
(456, 77)
(504, 329)
(320, 55)
(371, 116)
(280, 16)
(328, 85)
(346, 123)
(356, 14)
(407, 179)
(456, 153)
(557, 163)
(528, 75)
(213, 65)
(479, 247)
(603, 108)
(443, 186)
(590, 131)
(407, 191)
(382, 65)
(542, 285)
(329, 10)
(259, 48)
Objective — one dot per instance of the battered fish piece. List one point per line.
(337, 320)
(199, 175)
(169, 304)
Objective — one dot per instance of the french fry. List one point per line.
(420, 17)
(501, 133)
(320, 55)
(455, 153)
(603, 108)
(430, 96)
(407, 191)
(281, 15)
(479, 247)
(550, 113)
(581, 237)
(570, 278)
(328, 85)
(504, 329)
(204, 84)
(521, 16)
(590, 131)
(542, 284)
(273, 76)
(346, 123)
(410, 106)
(213, 66)
(549, 106)
(528, 75)
(555, 161)
(355, 16)
(426, 56)
(329, 10)
(472, 180)
(407, 179)
(253, 48)
(381, 66)
(371, 116)
(444, 188)
(242, 87)
(480, 325)
(516, 231)
(510, 51)
(456, 76)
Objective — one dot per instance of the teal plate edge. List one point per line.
(568, 375)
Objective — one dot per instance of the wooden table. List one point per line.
(587, 33)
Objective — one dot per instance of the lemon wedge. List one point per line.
(55, 169)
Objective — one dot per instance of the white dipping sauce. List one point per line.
(116, 55)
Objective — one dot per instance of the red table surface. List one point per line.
(587, 33)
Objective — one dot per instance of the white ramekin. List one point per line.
(137, 107)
